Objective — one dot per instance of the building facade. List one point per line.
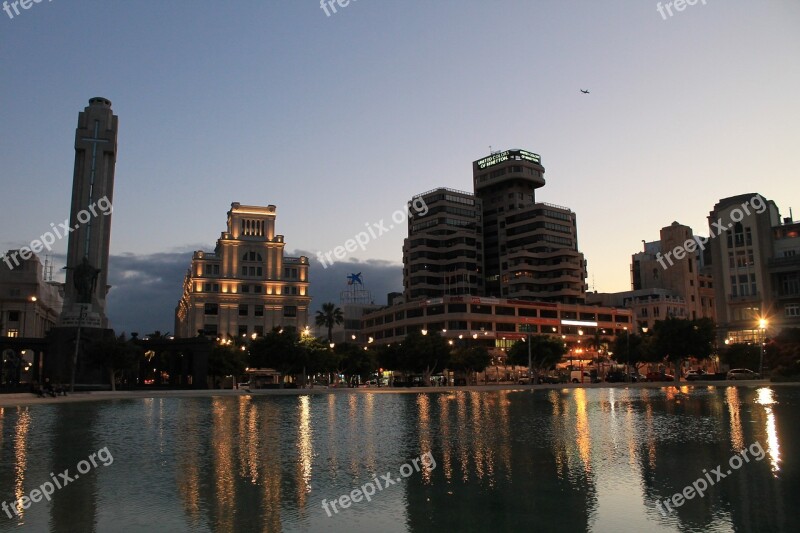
(495, 322)
(530, 249)
(443, 254)
(498, 242)
(755, 267)
(29, 305)
(647, 305)
(246, 286)
(686, 277)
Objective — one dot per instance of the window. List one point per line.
(244, 310)
(210, 329)
(13, 316)
(13, 333)
(258, 289)
(245, 288)
(290, 311)
(258, 310)
(527, 311)
(211, 309)
(790, 310)
(242, 331)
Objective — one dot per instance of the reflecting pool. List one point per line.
(599, 459)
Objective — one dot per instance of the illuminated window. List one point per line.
(13, 333)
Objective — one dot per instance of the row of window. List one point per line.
(211, 309)
(498, 310)
(255, 289)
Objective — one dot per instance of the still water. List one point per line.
(546, 460)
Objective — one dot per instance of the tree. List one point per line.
(226, 360)
(545, 353)
(783, 355)
(469, 359)
(640, 347)
(423, 354)
(115, 355)
(355, 361)
(677, 339)
(329, 317)
(279, 349)
(741, 355)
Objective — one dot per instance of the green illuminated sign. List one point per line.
(499, 157)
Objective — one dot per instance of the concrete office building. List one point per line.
(494, 321)
(647, 305)
(246, 285)
(498, 242)
(756, 268)
(530, 249)
(443, 254)
(686, 278)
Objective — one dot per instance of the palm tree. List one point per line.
(329, 317)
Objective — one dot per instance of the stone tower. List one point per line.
(90, 216)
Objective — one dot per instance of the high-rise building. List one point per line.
(756, 267)
(443, 254)
(90, 216)
(499, 242)
(246, 286)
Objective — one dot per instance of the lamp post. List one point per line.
(762, 325)
(77, 347)
(627, 354)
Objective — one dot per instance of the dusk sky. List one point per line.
(339, 120)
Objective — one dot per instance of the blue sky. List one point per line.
(339, 120)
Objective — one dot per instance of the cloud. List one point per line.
(145, 289)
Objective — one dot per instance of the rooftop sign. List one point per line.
(500, 157)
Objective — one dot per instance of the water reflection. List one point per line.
(571, 460)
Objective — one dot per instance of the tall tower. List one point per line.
(90, 216)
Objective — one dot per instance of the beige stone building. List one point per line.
(685, 277)
(756, 268)
(245, 285)
(29, 305)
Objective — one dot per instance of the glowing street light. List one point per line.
(424, 331)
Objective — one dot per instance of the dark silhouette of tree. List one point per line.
(116, 355)
(677, 339)
(329, 317)
(546, 351)
(469, 359)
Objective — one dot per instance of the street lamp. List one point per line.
(762, 325)
(424, 332)
(627, 354)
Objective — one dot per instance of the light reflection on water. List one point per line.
(566, 460)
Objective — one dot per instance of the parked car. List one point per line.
(524, 380)
(615, 376)
(618, 376)
(743, 373)
(659, 376)
(696, 375)
(587, 377)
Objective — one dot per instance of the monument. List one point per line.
(90, 222)
(83, 316)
